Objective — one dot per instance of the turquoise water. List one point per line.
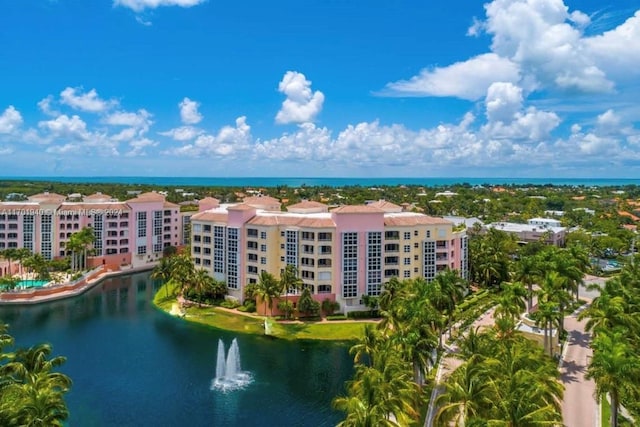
(133, 365)
(332, 182)
(32, 283)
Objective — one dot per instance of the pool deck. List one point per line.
(65, 290)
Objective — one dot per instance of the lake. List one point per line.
(133, 365)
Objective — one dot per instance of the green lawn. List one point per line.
(221, 319)
(606, 414)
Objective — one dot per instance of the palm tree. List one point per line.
(552, 289)
(614, 367)
(527, 272)
(548, 314)
(20, 255)
(183, 272)
(289, 280)
(9, 254)
(380, 395)
(267, 289)
(468, 394)
(511, 301)
(37, 389)
(202, 282)
(367, 347)
(163, 271)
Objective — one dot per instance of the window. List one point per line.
(263, 235)
(308, 235)
(391, 235)
(415, 233)
(374, 263)
(263, 248)
(428, 234)
(407, 274)
(142, 224)
(197, 238)
(197, 228)
(407, 261)
(407, 235)
(407, 248)
(263, 260)
(197, 249)
(141, 250)
(252, 232)
(416, 258)
(207, 228)
(252, 257)
(416, 245)
(252, 245)
(324, 237)
(349, 265)
(324, 289)
(252, 269)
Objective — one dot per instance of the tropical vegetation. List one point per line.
(31, 388)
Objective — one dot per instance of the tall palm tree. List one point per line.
(527, 271)
(553, 289)
(511, 302)
(163, 271)
(364, 350)
(614, 367)
(202, 282)
(547, 316)
(9, 255)
(20, 255)
(289, 280)
(183, 272)
(468, 394)
(268, 289)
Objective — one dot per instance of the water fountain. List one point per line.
(229, 375)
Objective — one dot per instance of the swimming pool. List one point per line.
(23, 284)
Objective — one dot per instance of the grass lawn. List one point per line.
(222, 319)
(606, 414)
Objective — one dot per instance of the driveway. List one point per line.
(579, 406)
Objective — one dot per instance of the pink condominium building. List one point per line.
(341, 254)
(132, 232)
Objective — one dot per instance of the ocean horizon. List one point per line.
(327, 182)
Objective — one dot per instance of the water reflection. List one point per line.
(134, 365)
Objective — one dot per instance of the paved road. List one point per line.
(579, 407)
(448, 364)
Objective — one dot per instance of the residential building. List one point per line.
(341, 254)
(537, 229)
(132, 232)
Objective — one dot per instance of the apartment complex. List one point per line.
(341, 254)
(132, 232)
(547, 230)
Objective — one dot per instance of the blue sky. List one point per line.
(509, 88)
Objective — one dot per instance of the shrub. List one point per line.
(329, 307)
(362, 314)
(249, 306)
(337, 317)
(286, 307)
(230, 304)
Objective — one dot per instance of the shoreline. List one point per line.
(230, 320)
(70, 290)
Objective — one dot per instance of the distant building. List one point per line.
(131, 232)
(547, 230)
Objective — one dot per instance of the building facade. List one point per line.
(342, 254)
(132, 232)
(545, 230)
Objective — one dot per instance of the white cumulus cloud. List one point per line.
(88, 101)
(467, 79)
(229, 141)
(302, 105)
(182, 133)
(10, 120)
(189, 112)
(140, 5)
